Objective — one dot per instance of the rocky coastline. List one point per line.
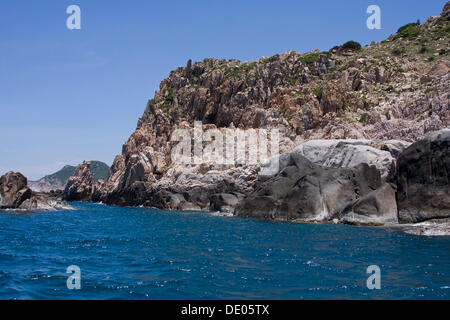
(364, 136)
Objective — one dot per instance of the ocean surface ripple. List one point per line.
(137, 253)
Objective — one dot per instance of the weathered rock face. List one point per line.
(304, 191)
(104, 191)
(423, 179)
(379, 207)
(225, 202)
(181, 188)
(13, 190)
(440, 69)
(79, 186)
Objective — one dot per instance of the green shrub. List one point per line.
(444, 31)
(291, 80)
(409, 30)
(363, 119)
(351, 45)
(309, 59)
(318, 92)
(170, 96)
(430, 90)
(150, 105)
(442, 20)
(397, 51)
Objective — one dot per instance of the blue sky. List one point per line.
(69, 95)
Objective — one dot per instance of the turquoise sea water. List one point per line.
(134, 253)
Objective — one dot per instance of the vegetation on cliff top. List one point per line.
(300, 89)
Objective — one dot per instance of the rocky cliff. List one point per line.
(384, 96)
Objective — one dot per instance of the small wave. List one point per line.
(312, 264)
(14, 210)
(221, 214)
(429, 228)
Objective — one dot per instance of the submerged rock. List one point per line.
(423, 179)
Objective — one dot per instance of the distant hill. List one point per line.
(100, 170)
(58, 180)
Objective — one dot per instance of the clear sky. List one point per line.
(69, 95)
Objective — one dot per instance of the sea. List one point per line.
(103, 252)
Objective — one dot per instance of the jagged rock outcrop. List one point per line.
(423, 179)
(79, 186)
(14, 194)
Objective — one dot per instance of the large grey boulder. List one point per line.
(423, 176)
(13, 190)
(350, 153)
(305, 191)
